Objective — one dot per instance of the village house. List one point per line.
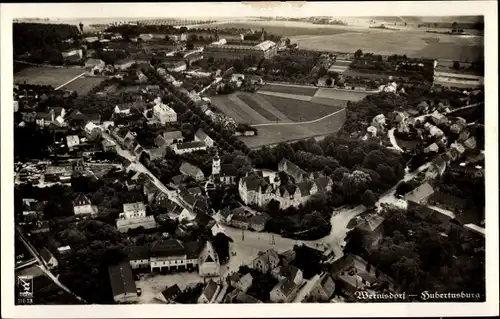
(189, 147)
(420, 194)
(169, 138)
(123, 109)
(208, 261)
(291, 272)
(258, 222)
(92, 131)
(72, 141)
(175, 66)
(168, 295)
(108, 145)
(209, 293)
(164, 114)
(323, 290)
(244, 283)
(134, 216)
(433, 148)
(124, 64)
(91, 39)
(287, 257)
(64, 249)
(201, 136)
(470, 143)
(266, 261)
(40, 227)
(138, 256)
(94, 66)
(72, 52)
(438, 118)
(83, 206)
(238, 221)
(458, 125)
(372, 225)
(48, 258)
(122, 283)
(192, 171)
(284, 292)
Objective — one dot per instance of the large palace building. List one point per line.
(265, 49)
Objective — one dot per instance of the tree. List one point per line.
(454, 27)
(329, 81)
(358, 54)
(221, 246)
(456, 65)
(368, 198)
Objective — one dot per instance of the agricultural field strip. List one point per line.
(290, 89)
(286, 95)
(225, 106)
(254, 115)
(268, 106)
(83, 85)
(257, 105)
(345, 95)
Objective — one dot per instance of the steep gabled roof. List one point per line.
(81, 200)
(201, 135)
(121, 279)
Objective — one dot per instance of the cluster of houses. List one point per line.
(166, 255)
(242, 218)
(257, 189)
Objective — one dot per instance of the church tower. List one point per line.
(216, 164)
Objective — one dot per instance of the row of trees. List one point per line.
(46, 38)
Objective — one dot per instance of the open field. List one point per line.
(366, 75)
(300, 90)
(346, 95)
(277, 133)
(47, 76)
(233, 107)
(285, 28)
(83, 85)
(413, 43)
(300, 111)
(305, 98)
(254, 104)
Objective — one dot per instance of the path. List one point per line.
(73, 79)
(138, 166)
(393, 140)
(306, 289)
(42, 265)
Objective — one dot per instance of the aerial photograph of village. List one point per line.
(251, 159)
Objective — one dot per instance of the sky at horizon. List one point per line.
(292, 9)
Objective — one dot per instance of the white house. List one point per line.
(83, 206)
(72, 141)
(201, 136)
(49, 258)
(164, 114)
(209, 293)
(124, 64)
(284, 292)
(95, 64)
(208, 262)
(123, 109)
(91, 39)
(189, 147)
(134, 216)
(244, 283)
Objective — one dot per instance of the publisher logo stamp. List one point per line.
(25, 289)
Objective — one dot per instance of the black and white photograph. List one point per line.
(258, 153)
